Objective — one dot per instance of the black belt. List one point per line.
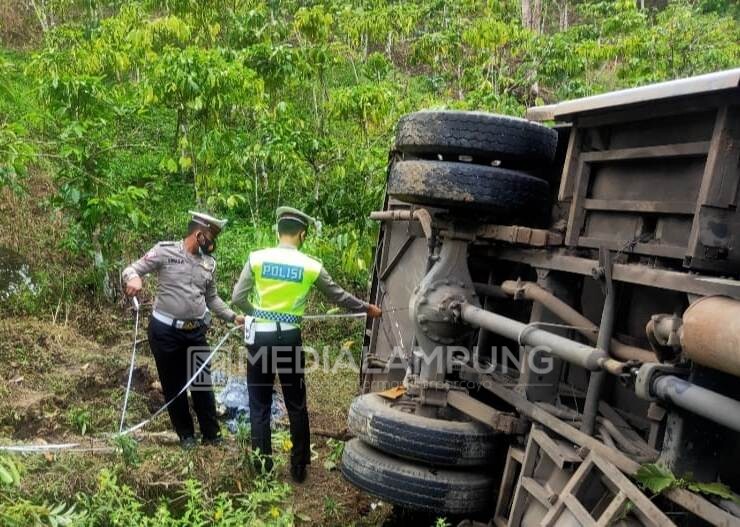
(185, 325)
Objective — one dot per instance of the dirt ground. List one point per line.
(57, 380)
(67, 368)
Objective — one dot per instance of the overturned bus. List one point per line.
(561, 342)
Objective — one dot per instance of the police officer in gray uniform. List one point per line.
(186, 295)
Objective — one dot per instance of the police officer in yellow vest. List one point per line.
(273, 288)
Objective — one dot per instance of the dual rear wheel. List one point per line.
(437, 464)
(459, 161)
(473, 160)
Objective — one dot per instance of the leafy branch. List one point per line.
(658, 479)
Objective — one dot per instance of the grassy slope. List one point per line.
(56, 373)
(72, 358)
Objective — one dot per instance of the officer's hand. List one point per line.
(133, 286)
(239, 320)
(374, 311)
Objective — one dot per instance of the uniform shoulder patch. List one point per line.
(167, 244)
(208, 263)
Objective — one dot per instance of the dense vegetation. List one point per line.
(141, 110)
(128, 113)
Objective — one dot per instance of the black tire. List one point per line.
(454, 185)
(455, 441)
(515, 142)
(415, 486)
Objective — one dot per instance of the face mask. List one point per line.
(206, 246)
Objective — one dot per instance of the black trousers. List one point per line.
(170, 349)
(278, 353)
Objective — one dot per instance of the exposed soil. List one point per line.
(52, 373)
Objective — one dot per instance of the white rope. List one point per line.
(77, 447)
(38, 448)
(334, 315)
(74, 446)
(187, 385)
(131, 368)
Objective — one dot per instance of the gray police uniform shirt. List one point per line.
(324, 283)
(187, 282)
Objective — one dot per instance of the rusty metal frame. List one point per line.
(639, 274)
(396, 257)
(504, 422)
(581, 204)
(688, 500)
(514, 234)
(538, 444)
(718, 149)
(719, 183)
(624, 490)
(509, 479)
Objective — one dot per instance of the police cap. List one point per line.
(290, 213)
(206, 220)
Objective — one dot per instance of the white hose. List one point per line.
(131, 367)
(187, 385)
(76, 447)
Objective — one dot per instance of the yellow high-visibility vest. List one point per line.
(282, 279)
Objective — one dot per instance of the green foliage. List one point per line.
(127, 447)
(142, 110)
(10, 475)
(714, 489)
(17, 511)
(658, 479)
(80, 419)
(112, 504)
(115, 503)
(655, 478)
(253, 462)
(16, 149)
(332, 509)
(22, 513)
(336, 449)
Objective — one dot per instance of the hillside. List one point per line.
(117, 117)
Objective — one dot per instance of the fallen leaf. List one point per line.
(655, 477)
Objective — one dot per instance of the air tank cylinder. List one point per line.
(710, 335)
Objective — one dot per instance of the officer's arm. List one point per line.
(242, 289)
(336, 295)
(148, 263)
(214, 302)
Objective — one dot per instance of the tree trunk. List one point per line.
(532, 15)
(536, 16)
(100, 266)
(564, 22)
(40, 10)
(526, 14)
